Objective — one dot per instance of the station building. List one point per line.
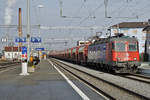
(147, 42)
(12, 53)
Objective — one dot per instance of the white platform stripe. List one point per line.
(84, 97)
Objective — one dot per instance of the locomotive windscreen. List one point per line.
(120, 46)
(132, 47)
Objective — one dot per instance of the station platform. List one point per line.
(144, 68)
(46, 83)
(145, 65)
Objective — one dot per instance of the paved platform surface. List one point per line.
(44, 84)
(144, 68)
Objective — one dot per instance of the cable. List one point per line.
(122, 8)
(143, 13)
(91, 13)
(78, 11)
(82, 5)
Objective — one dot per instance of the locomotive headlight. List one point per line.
(134, 58)
(118, 59)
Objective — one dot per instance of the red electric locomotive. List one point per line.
(119, 53)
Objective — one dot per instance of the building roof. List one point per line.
(12, 49)
(131, 25)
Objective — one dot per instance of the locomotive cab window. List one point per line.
(120, 46)
(132, 47)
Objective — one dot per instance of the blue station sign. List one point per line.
(36, 39)
(20, 39)
(39, 49)
(24, 52)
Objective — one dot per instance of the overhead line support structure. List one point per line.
(106, 4)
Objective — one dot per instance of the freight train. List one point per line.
(119, 54)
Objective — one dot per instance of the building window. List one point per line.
(144, 37)
(125, 31)
(15, 54)
(115, 31)
(144, 31)
(135, 31)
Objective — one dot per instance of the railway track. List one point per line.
(8, 64)
(138, 77)
(106, 88)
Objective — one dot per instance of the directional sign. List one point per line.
(24, 52)
(20, 39)
(36, 39)
(39, 49)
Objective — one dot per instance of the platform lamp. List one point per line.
(40, 6)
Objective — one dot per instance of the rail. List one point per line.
(92, 77)
(138, 77)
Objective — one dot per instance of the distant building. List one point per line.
(12, 53)
(132, 29)
(147, 46)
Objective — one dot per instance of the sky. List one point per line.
(78, 12)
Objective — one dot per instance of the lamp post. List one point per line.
(39, 6)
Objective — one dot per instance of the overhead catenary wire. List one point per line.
(91, 13)
(128, 6)
(120, 17)
(78, 11)
(119, 11)
(61, 11)
(143, 13)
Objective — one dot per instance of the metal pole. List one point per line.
(39, 24)
(28, 29)
(106, 4)
(25, 64)
(39, 6)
